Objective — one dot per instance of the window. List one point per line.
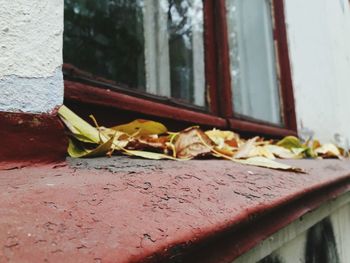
(151, 46)
(252, 59)
(200, 61)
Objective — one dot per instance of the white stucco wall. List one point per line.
(31, 55)
(319, 43)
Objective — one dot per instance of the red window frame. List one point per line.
(80, 90)
(288, 112)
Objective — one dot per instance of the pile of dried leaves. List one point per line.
(152, 140)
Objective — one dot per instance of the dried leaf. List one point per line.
(290, 142)
(226, 153)
(217, 135)
(328, 150)
(192, 142)
(153, 142)
(76, 150)
(246, 150)
(316, 144)
(121, 139)
(81, 130)
(148, 155)
(281, 152)
(232, 143)
(267, 163)
(263, 152)
(141, 127)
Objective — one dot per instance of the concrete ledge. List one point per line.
(131, 210)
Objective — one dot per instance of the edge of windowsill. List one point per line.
(195, 211)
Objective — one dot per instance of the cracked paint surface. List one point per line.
(129, 210)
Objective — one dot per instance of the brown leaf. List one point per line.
(192, 142)
(149, 142)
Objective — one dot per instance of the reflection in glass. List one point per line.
(153, 46)
(252, 54)
(105, 37)
(185, 27)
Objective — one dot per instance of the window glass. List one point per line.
(147, 45)
(253, 62)
(106, 39)
(186, 50)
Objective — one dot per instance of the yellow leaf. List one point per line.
(226, 141)
(263, 152)
(141, 127)
(81, 130)
(315, 144)
(121, 139)
(290, 142)
(224, 135)
(148, 155)
(281, 152)
(77, 151)
(267, 163)
(246, 150)
(328, 150)
(224, 152)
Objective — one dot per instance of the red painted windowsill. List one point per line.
(31, 139)
(131, 210)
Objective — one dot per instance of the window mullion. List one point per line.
(157, 47)
(198, 53)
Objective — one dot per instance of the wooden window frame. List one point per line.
(244, 124)
(82, 88)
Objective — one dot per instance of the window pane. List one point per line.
(150, 45)
(185, 27)
(252, 54)
(106, 38)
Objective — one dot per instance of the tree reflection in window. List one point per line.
(184, 24)
(106, 38)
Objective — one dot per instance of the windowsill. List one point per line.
(139, 210)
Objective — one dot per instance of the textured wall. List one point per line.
(322, 235)
(31, 55)
(319, 41)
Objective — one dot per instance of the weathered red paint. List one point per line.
(31, 139)
(83, 93)
(242, 126)
(285, 68)
(130, 210)
(210, 44)
(224, 65)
